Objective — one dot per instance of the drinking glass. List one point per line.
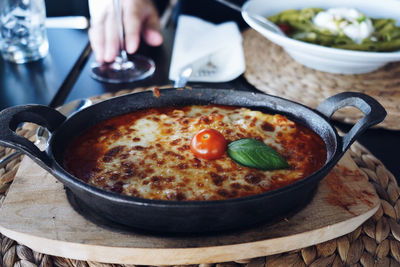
(23, 35)
(123, 70)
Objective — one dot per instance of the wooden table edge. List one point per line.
(196, 255)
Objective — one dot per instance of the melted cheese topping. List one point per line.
(147, 153)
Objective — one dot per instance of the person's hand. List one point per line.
(140, 18)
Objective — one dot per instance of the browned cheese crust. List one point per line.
(147, 153)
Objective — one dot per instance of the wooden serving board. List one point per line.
(37, 214)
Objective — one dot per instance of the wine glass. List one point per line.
(123, 70)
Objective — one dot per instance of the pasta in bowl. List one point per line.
(345, 28)
(324, 38)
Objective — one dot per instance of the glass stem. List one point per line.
(121, 34)
(122, 60)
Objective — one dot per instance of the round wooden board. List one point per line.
(271, 70)
(374, 243)
(36, 213)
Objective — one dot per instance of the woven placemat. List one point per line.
(375, 243)
(271, 70)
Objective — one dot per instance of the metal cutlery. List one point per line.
(259, 19)
(184, 75)
(200, 68)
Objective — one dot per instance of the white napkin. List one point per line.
(215, 49)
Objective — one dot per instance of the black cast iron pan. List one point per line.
(187, 216)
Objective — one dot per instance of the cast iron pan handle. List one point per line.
(11, 117)
(373, 111)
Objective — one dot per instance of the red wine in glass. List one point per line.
(123, 70)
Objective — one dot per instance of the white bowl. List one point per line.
(319, 57)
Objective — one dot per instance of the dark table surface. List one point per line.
(39, 82)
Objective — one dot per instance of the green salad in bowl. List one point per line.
(341, 27)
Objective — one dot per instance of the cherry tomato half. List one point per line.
(208, 144)
(285, 28)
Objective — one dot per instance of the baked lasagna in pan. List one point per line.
(158, 153)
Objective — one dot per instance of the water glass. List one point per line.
(23, 35)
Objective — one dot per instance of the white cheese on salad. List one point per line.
(348, 21)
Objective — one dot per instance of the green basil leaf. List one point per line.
(361, 19)
(255, 154)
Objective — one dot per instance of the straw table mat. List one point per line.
(270, 69)
(375, 243)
